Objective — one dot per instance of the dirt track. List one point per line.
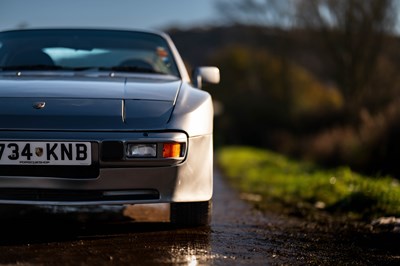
(141, 235)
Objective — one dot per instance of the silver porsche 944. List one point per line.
(90, 117)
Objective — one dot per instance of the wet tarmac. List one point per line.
(142, 235)
(134, 235)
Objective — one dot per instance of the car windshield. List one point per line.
(80, 50)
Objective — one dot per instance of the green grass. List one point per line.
(278, 178)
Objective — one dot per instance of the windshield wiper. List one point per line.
(31, 67)
(134, 69)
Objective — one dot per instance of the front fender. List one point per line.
(193, 112)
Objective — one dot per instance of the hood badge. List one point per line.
(39, 105)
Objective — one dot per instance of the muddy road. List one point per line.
(141, 235)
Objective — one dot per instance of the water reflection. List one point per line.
(93, 235)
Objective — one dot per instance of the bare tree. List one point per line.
(257, 12)
(276, 14)
(353, 32)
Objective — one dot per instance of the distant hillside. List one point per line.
(281, 89)
(197, 46)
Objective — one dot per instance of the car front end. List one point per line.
(74, 133)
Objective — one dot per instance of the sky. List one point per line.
(127, 14)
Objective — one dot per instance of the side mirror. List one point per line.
(208, 74)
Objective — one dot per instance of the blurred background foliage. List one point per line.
(315, 79)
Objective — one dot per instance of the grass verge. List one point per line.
(277, 178)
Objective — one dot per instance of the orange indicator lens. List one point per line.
(172, 150)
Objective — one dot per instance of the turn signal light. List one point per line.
(171, 150)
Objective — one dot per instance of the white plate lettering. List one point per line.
(45, 153)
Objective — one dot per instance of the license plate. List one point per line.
(45, 153)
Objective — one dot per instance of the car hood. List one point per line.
(86, 103)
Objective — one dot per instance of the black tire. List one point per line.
(191, 213)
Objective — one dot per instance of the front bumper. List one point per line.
(119, 182)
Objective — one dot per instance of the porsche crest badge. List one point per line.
(39, 105)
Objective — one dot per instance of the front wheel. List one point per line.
(191, 213)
